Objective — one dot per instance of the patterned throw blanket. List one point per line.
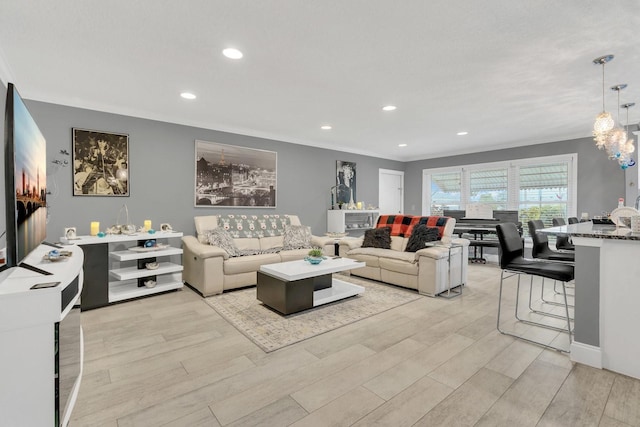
(247, 226)
(403, 225)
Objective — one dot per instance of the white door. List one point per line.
(390, 191)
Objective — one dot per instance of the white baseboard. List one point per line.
(586, 354)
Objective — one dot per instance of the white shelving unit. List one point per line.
(351, 221)
(122, 274)
(124, 271)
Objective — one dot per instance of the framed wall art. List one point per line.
(345, 182)
(100, 163)
(231, 176)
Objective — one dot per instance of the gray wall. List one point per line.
(600, 180)
(161, 173)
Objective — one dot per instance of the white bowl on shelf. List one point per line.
(152, 265)
(150, 283)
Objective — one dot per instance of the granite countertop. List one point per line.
(596, 231)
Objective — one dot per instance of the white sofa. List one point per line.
(210, 270)
(426, 270)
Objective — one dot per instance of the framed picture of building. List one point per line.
(345, 182)
(231, 176)
(100, 163)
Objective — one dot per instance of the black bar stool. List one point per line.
(541, 250)
(513, 262)
(541, 247)
(562, 240)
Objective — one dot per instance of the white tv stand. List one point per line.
(30, 368)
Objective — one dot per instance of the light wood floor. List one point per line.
(172, 360)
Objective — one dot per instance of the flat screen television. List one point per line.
(25, 180)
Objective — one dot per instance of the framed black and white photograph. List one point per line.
(228, 175)
(345, 182)
(100, 163)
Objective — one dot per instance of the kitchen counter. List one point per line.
(596, 231)
(606, 296)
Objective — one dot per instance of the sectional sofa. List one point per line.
(426, 270)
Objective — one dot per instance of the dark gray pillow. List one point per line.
(377, 238)
(419, 236)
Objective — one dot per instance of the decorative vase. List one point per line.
(352, 204)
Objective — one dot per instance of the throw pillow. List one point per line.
(223, 239)
(421, 235)
(296, 237)
(377, 238)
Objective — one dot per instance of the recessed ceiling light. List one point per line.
(232, 53)
(326, 127)
(389, 108)
(462, 133)
(187, 95)
(402, 145)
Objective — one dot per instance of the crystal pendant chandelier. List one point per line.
(625, 150)
(617, 136)
(604, 121)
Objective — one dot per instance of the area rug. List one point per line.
(272, 331)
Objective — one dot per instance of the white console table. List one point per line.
(41, 347)
(113, 272)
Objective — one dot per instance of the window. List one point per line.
(539, 188)
(543, 192)
(445, 192)
(489, 187)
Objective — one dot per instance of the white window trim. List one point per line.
(512, 178)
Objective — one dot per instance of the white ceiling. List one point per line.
(510, 73)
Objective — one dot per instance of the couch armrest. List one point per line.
(351, 243)
(321, 241)
(460, 241)
(202, 251)
(433, 252)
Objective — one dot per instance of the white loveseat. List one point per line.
(210, 270)
(426, 270)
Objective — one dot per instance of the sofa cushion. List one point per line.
(249, 243)
(246, 264)
(250, 226)
(398, 243)
(222, 239)
(399, 265)
(368, 255)
(204, 224)
(421, 235)
(293, 254)
(271, 242)
(377, 238)
(296, 237)
(409, 257)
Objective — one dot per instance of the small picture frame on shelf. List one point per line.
(70, 233)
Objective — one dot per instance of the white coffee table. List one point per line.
(293, 286)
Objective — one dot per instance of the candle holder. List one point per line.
(94, 228)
